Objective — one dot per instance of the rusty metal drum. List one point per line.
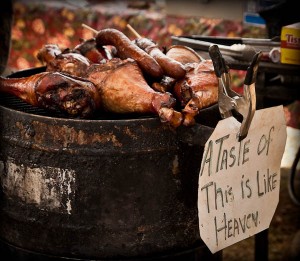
(97, 189)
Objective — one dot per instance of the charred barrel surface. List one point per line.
(96, 188)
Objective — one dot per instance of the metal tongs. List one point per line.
(229, 100)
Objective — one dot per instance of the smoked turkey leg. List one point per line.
(75, 97)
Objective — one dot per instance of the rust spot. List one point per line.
(175, 166)
(144, 228)
(22, 129)
(128, 132)
(143, 128)
(64, 135)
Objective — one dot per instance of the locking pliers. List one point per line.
(229, 100)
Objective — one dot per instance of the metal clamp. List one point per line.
(229, 100)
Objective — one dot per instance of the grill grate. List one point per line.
(14, 103)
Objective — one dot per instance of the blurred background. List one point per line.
(39, 22)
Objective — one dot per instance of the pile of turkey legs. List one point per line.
(114, 74)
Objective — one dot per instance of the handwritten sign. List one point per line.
(239, 181)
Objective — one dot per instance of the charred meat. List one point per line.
(55, 91)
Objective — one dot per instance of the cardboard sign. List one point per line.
(239, 181)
